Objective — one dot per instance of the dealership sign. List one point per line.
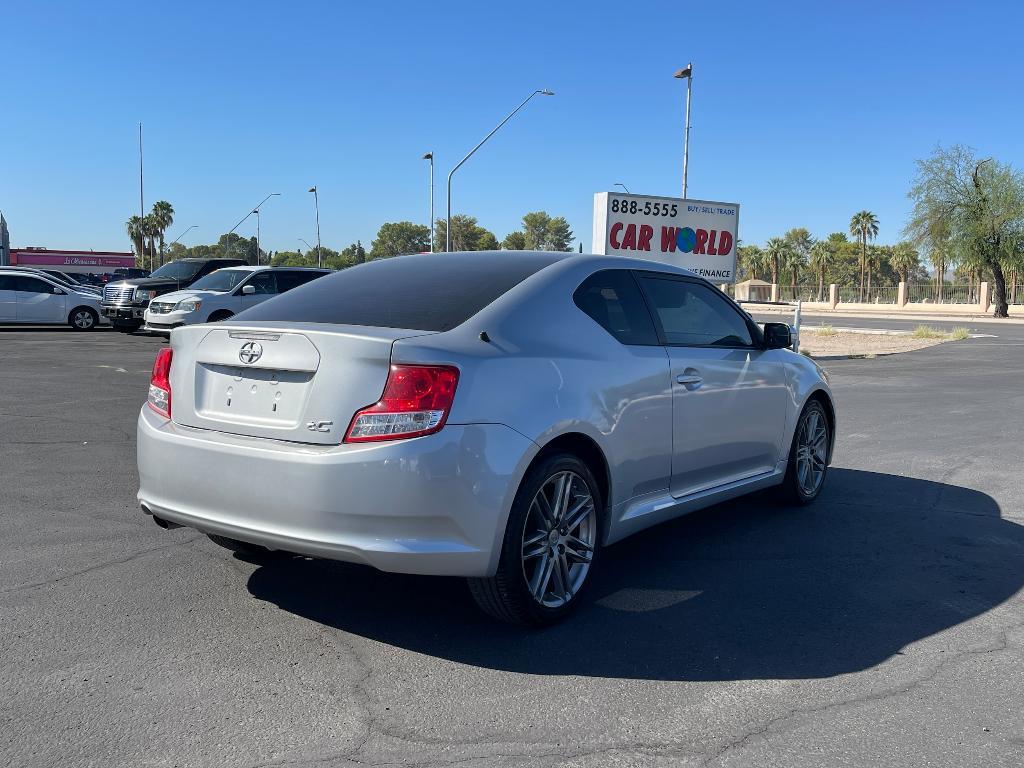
(699, 235)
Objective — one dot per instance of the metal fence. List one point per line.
(928, 293)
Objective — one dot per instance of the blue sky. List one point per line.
(804, 113)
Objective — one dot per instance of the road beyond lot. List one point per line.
(881, 626)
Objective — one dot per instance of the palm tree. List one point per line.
(135, 233)
(820, 260)
(864, 225)
(903, 259)
(163, 218)
(800, 242)
(751, 260)
(150, 229)
(776, 251)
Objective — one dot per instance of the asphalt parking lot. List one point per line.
(881, 626)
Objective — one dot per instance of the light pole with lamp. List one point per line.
(308, 246)
(316, 204)
(183, 234)
(227, 237)
(620, 184)
(448, 226)
(687, 74)
(430, 156)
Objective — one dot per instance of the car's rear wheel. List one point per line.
(242, 548)
(808, 455)
(550, 545)
(83, 319)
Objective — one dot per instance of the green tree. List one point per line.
(137, 234)
(541, 232)
(398, 238)
(467, 235)
(864, 225)
(821, 258)
(904, 260)
(983, 203)
(800, 243)
(352, 255)
(487, 242)
(514, 241)
(163, 218)
(777, 253)
(750, 262)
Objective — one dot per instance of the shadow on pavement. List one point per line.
(744, 590)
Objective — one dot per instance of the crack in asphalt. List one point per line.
(96, 567)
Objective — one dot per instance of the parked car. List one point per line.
(499, 416)
(64, 277)
(125, 301)
(29, 296)
(58, 277)
(224, 293)
(127, 273)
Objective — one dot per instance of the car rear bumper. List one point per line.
(434, 505)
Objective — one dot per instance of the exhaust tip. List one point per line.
(167, 525)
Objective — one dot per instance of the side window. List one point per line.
(8, 282)
(264, 283)
(33, 285)
(288, 280)
(692, 314)
(613, 300)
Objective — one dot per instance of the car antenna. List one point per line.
(484, 337)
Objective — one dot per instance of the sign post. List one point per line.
(698, 235)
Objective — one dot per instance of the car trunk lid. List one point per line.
(296, 382)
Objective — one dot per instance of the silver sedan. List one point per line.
(498, 416)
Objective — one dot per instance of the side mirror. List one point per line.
(248, 290)
(777, 336)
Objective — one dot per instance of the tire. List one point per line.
(531, 589)
(83, 319)
(219, 315)
(808, 456)
(243, 549)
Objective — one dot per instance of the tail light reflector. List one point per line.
(160, 383)
(416, 401)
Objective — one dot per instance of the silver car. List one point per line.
(222, 294)
(498, 416)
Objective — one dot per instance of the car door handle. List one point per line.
(689, 380)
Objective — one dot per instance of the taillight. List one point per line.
(160, 383)
(416, 401)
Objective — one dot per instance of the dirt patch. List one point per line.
(853, 344)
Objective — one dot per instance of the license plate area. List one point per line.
(251, 396)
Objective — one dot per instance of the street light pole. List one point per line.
(316, 204)
(687, 73)
(620, 184)
(448, 226)
(257, 212)
(241, 220)
(430, 156)
(183, 234)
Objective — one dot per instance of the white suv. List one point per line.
(224, 293)
(29, 296)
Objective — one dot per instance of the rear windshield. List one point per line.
(426, 292)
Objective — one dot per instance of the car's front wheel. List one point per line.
(808, 455)
(550, 546)
(83, 319)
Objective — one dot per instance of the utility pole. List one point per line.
(142, 205)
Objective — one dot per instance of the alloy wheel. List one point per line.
(559, 537)
(811, 451)
(83, 320)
